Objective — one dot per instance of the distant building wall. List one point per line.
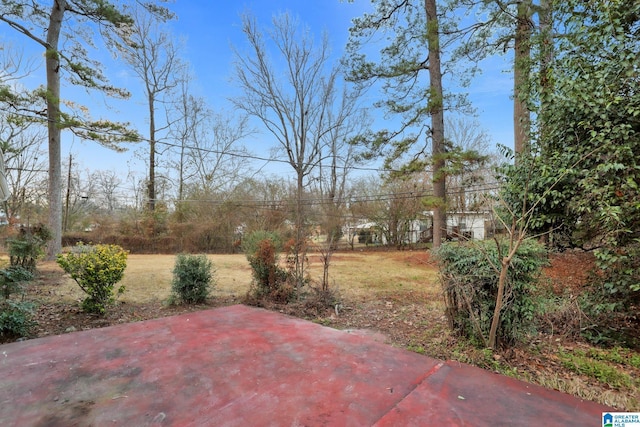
(468, 225)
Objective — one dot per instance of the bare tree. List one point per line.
(21, 138)
(14, 68)
(153, 56)
(190, 116)
(107, 184)
(136, 189)
(25, 162)
(402, 206)
(208, 154)
(470, 165)
(270, 197)
(390, 207)
(215, 155)
(291, 101)
(80, 201)
(339, 156)
(347, 121)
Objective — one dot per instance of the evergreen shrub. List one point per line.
(96, 269)
(193, 279)
(469, 274)
(28, 246)
(16, 316)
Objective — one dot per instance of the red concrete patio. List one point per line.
(241, 366)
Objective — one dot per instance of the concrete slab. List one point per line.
(456, 394)
(241, 366)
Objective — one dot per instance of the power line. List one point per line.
(259, 158)
(319, 201)
(207, 150)
(231, 153)
(234, 154)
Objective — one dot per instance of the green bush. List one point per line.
(16, 319)
(96, 269)
(11, 279)
(613, 297)
(28, 247)
(193, 278)
(15, 316)
(469, 274)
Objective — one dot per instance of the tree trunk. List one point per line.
(181, 173)
(65, 223)
(437, 123)
(300, 235)
(521, 71)
(495, 320)
(546, 58)
(151, 185)
(52, 61)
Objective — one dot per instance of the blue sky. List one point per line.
(209, 30)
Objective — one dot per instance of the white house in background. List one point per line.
(460, 226)
(470, 225)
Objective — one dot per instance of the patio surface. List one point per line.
(242, 366)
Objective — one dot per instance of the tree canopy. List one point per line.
(65, 30)
(585, 172)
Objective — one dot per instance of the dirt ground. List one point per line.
(408, 319)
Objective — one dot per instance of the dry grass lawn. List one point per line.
(356, 275)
